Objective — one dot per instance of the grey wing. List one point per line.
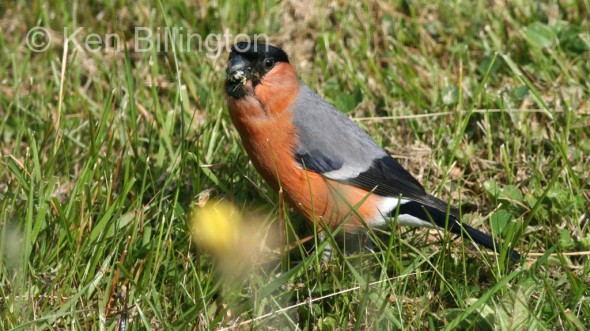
(330, 143)
(333, 145)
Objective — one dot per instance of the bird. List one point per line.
(328, 168)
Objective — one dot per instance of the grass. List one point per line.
(103, 155)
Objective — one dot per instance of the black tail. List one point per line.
(439, 217)
(483, 239)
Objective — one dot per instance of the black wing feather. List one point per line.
(386, 177)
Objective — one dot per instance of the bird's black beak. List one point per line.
(237, 63)
(238, 72)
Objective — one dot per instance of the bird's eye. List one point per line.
(269, 62)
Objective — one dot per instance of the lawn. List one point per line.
(113, 127)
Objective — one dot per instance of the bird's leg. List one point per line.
(369, 243)
(327, 253)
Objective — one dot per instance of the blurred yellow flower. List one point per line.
(214, 227)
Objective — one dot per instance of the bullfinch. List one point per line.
(329, 169)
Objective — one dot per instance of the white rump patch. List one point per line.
(409, 220)
(387, 206)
